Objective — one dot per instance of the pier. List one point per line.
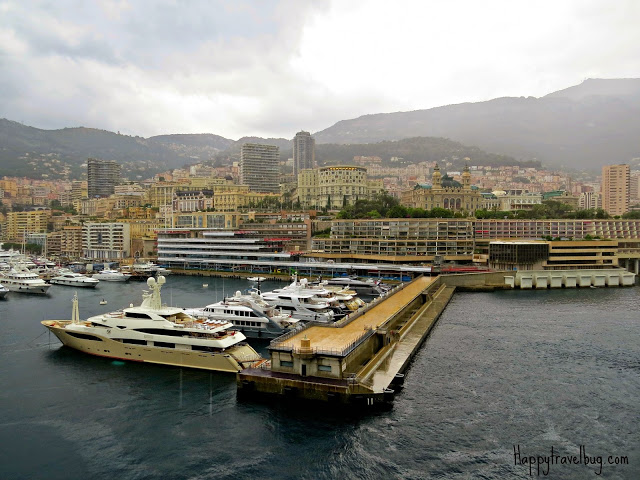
(359, 360)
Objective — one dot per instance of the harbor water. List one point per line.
(503, 374)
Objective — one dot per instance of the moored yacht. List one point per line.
(251, 314)
(156, 333)
(20, 279)
(72, 279)
(303, 305)
(363, 287)
(112, 276)
(3, 291)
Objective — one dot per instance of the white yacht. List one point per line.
(20, 279)
(363, 287)
(251, 314)
(3, 291)
(155, 333)
(72, 279)
(112, 276)
(300, 304)
(338, 301)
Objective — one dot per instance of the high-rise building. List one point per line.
(615, 189)
(259, 167)
(102, 177)
(304, 152)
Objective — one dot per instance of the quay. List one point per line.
(359, 360)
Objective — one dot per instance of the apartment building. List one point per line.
(102, 177)
(106, 241)
(259, 168)
(18, 224)
(615, 189)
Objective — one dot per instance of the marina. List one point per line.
(468, 395)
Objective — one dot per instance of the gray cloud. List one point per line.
(272, 68)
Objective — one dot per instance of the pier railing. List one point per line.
(324, 351)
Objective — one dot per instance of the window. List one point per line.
(134, 341)
(285, 363)
(164, 345)
(324, 368)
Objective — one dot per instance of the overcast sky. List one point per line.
(272, 68)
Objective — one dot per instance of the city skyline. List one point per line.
(147, 69)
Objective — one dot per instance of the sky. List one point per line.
(271, 68)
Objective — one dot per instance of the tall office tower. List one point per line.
(102, 177)
(259, 167)
(304, 152)
(615, 189)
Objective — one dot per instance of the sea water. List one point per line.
(503, 378)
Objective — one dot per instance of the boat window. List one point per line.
(164, 345)
(84, 336)
(202, 348)
(133, 341)
(160, 331)
(137, 315)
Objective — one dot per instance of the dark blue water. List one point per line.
(534, 369)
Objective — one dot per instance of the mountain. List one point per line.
(583, 127)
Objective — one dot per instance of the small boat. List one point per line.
(103, 302)
(205, 285)
(256, 279)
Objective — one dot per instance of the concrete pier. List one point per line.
(361, 359)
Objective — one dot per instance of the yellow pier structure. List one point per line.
(360, 359)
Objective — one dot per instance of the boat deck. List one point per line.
(338, 339)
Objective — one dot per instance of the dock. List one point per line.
(359, 360)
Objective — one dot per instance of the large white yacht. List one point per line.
(156, 333)
(3, 291)
(112, 276)
(301, 304)
(20, 279)
(72, 279)
(363, 287)
(251, 314)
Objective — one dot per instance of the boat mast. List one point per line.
(75, 315)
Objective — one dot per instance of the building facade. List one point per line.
(451, 196)
(335, 187)
(18, 224)
(102, 177)
(259, 167)
(615, 189)
(304, 152)
(106, 241)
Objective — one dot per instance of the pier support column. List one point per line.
(637, 269)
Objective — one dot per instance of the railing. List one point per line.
(332, 351)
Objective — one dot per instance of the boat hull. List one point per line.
(112, 279)
(36, 290)
(74, 284)
(110, 348)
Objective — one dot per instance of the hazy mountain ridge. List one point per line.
(585, 126)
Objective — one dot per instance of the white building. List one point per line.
(106, 241)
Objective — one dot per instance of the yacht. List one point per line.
(112, 276)
(156, 333)
(20, 279)
(338, 300)
(250, 314)
(3, 291)
(363, 287)
(300, 304)
(72, 279)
